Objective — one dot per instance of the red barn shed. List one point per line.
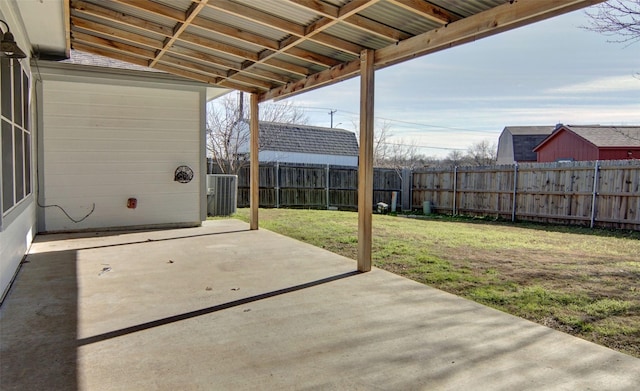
(592, 142)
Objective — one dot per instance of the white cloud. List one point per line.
(600, 85)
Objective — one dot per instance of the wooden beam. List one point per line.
(257, 16)
(218, 46)
(112, 32)
(496, 20)
(193, 66)
(235, 33)
(154, 8)
(194, 10)
(84, 8)
(365, 161)
(327, 10)
(112, 45)
(381, 30)
(109, 53)
(222, 62)
(427, 10)
(67, 28)
(254, 169)
(330, 76)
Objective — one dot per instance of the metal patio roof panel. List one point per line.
(222, 38)
(84, 21)
(283, 9)
(242, 24)
(327, 51)
(467, 8)
(255, 46)
(358, 36)
(126, 8)
(399, 18)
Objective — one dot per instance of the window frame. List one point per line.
(15, 85)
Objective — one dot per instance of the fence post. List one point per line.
(595, 193)
(515, 191)
(327, 185)
(455, 190)
(277, 184)
(407, 176)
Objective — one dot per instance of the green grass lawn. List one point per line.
(580, 281)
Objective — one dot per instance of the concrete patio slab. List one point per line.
(220, 307)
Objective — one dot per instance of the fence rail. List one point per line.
(603, 193)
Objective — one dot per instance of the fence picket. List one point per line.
(546, 192)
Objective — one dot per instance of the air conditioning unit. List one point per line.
(222, 194)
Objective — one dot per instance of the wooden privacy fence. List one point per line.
(285, 185)
(601, 193)
(605, 193)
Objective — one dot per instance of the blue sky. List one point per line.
(549, 72)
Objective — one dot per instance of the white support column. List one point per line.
(365, 162)
(254, 185)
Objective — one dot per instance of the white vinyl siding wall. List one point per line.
(106, 143)
(18, 214)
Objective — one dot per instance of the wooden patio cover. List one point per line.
(274, 49)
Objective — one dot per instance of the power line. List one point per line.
(425, 146)
(401, 121)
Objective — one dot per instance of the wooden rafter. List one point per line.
(273, 52)
(427, 10)
(498, 19)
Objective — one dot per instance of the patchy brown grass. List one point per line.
(579, 281)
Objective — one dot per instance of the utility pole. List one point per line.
(331, 114)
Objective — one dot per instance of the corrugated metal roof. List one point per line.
(283, 9)
(403, 20)
(466, 8)
(242, 24)
(311, 42)
(358, 36)
(220, 38)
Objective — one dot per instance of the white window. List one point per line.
(15, 134)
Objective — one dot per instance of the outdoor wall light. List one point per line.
(8, 46)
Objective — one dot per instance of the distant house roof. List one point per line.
(307, 139)
(523, 139)
(601, 136)
(529, 130)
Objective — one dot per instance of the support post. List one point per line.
(407, 199)
(455, 190)
(277, 184)
(254, 185)
(327, 172)
(515, 192)
(596, 172)
(365, 161)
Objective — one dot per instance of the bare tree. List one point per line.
(381, 135)
(389, 153)
(455, 158)
(227, 128)
(619, 18)
(482, 153)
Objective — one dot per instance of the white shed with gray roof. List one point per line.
(292, 143)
